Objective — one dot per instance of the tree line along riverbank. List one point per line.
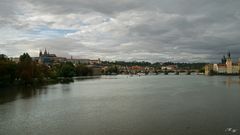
(28, 72)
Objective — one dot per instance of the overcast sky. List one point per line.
(150, 30)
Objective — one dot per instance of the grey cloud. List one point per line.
(70, 6)
(153, 30)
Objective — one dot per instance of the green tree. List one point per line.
(25, 69)
(67, 70)
(112, 69)
(82, 70)
(7, 71)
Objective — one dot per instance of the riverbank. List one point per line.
(49, 81)
(224, 74)
(36, 82)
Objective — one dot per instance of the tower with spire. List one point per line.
(229, 64)
(224, 60)
(46, 58)
(227, 67)
(40, 53)
(229, 55)
(45, 52)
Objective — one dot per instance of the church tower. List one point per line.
(45, 52)
(229, 55)
(40, 53)
(224, 60)
(229, 64)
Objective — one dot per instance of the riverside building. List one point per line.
(227, 67)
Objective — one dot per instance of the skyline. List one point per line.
(41, 52)
(166, 30)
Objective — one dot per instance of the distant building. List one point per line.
(95, 62)
(3, 56)
(135, 69)
(52, 59)
(79, 61)
(208, 69)
(57, 60)
(226, 67)
(16, 60)
(220, 68)
(46, 57)
(85, 61)
(169, 67)
(239, 63)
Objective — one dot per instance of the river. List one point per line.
(124, 105)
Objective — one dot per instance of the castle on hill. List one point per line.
(46, 58)
(50, 59)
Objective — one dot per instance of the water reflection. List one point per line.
(86, 78)
(13, 93)
(232, 81)
(66, 80)
(66, 88)
(149, 105)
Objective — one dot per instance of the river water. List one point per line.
(124, 105)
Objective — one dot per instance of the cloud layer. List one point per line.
(153, 30)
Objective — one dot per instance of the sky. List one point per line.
(129, 30)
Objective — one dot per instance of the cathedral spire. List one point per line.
(224, 59)
(229, 55)
(45, 52)
(40, 53)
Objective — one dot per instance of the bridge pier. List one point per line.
(189, 72)
(176, 72)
